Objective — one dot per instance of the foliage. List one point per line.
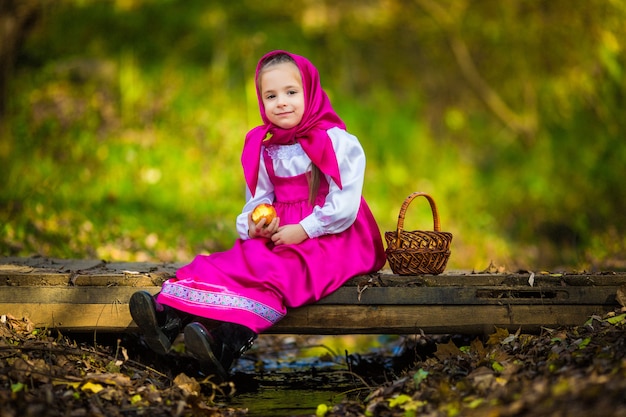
(126, 119)
(574, 371)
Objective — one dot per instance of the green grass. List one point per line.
(124, 147)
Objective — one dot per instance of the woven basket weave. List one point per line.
(420, 251)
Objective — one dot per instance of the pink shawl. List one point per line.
(318, 117)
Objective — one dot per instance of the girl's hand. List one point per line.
(292, 234)
(257, 229)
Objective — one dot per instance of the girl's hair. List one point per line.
(315, 173)
(275, 60)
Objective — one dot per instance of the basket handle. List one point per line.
(405, 206)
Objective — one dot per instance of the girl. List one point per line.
(303, 162)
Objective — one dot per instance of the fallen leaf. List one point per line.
(91, 387)
(187, 384)
(616, 319)
(400, 399)
(497, 337)
(109, 379)
(447, 350)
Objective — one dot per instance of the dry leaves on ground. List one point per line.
(54, 376)
(573, 371)
(578, 371)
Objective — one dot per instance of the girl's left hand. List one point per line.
(292, 234)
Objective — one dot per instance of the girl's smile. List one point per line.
(283, 95)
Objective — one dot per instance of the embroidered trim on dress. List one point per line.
(285, 151)
(222, 300)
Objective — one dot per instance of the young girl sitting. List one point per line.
(302, 161)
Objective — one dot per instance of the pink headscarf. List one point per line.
(318, 117)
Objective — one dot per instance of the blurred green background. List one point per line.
(122, 121)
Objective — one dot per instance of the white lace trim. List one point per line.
(285, 151)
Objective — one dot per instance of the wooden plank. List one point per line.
(472, 295)
(106, 309)
(113, 317)
(77, 280)
(332, 319)
(133, 278)
(71, 295)
(47, 271)
(431, 319)
(460, 278)
(344, 295)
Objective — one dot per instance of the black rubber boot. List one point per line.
(159, 324)
(217, 349)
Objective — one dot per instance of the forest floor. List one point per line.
(573, 371)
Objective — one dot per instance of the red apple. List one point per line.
(263, 211)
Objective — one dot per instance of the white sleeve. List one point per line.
(342, 205)
(264, 194)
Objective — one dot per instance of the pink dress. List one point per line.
(255, 281)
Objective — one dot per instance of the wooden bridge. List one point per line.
(87, 295)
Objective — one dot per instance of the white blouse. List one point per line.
(341, 206)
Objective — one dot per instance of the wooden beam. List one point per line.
(344, 295)
(332, 319)
(379, 310)
(324, 319)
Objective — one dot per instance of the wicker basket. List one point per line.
(420, 251)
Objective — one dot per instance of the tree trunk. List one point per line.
(16, 18)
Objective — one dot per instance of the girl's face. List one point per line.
(282, 94)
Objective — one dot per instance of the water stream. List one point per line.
(293, 390)
(293, 381)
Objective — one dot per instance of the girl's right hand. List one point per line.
(258, 229)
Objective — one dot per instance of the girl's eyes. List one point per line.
(273, 96)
